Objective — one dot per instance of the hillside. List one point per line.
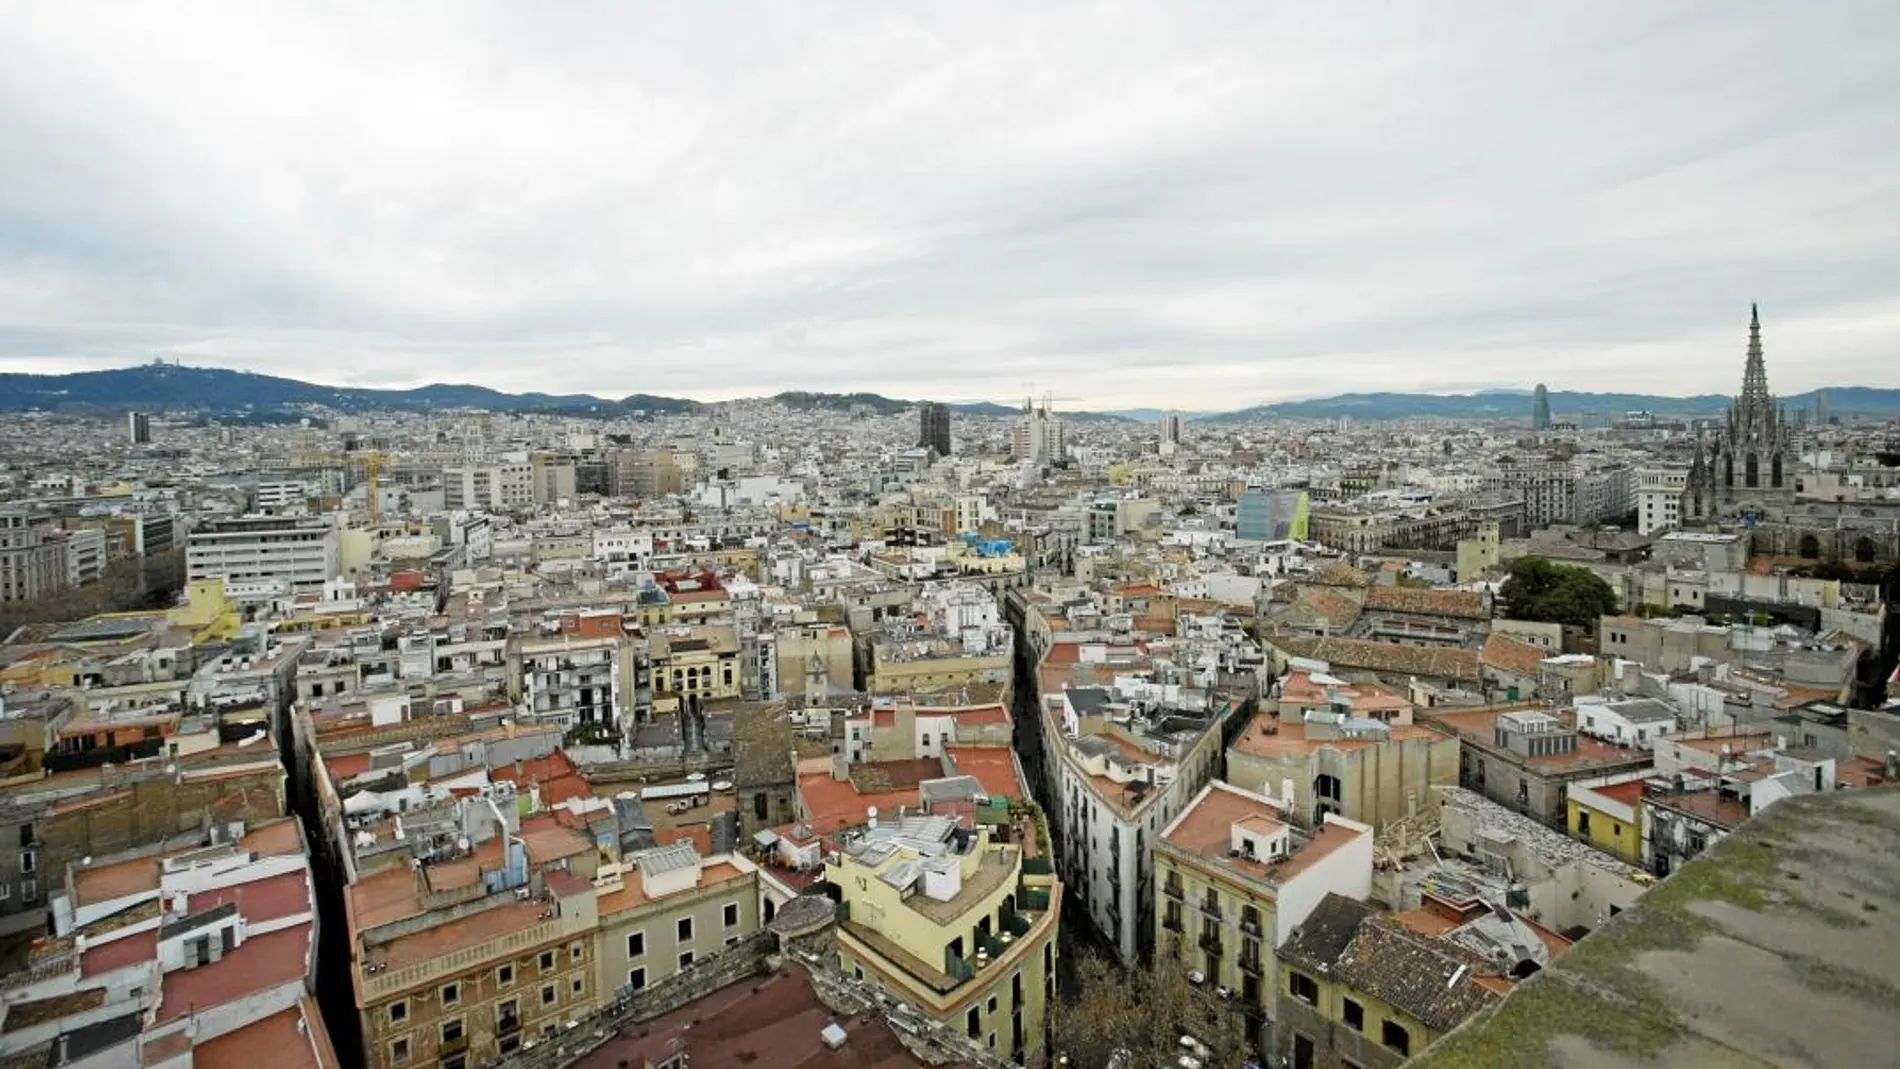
(1493, 404)
(171, 387)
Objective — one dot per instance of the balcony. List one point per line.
(452, 1047)
(1015, 924)
(1250, 964)
(1033, 899)
(1210, 942)
(1172, 924)
(508, 1024)
(1173, 890)
(1250, 928)
(1211, 907)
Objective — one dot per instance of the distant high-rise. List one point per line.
(138, 428)
(933, 423)
(1821, 413)
(1171, 427)
(1038, 438)
(1540, 408)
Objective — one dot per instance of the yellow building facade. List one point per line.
(956, 924)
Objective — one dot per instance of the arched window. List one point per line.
(1864, 551)
(1775, 473)
(1753, 472)
(1810, 547)
(1728, 469)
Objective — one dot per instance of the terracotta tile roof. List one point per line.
(1456, 604)
(1414, 972)
(262, 900)
(1338, 574)
(1432, 662)
(1512, 655)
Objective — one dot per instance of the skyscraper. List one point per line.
(1540, 408)
(933, 427)
(1171, 427)
(138, 428)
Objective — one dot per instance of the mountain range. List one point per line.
(161, 387)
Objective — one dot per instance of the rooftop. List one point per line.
(1793, 911)
(774, 1022)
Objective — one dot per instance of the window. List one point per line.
(992, 1005)
(637, 979)
(451, 994)
(973, 1022)
(1396, 1038)
(686, 958)
(1583, 822)
(547, 994)
(507, 1014)
(399, 1011)
(547, 960)
(637, 945)
(574, 951)
(451, 1030)
(1304, 988)
(399, 1052)
(28, 862)
(505, 975)
(732, 914)
(1355, 1016)
(685, 929)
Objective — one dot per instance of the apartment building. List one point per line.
(569, 680)
(1659, 493)
(666, 908)
(1123, 762)
(492, 487)
(176, 957)
(958, 921)
(459, 961)
(301, 552)
(1233, 878)
(33, 560)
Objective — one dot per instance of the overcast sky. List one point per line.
(1203, 205)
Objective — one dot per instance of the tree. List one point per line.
(1145, 1012)
(1556, 593)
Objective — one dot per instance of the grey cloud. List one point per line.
(1204, 204)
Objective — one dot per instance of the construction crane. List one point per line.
(372, 463)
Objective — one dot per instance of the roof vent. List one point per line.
(833, 1035)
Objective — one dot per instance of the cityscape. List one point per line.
(886, 732)
(1075, 536)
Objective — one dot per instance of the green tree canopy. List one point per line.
(1556, 593)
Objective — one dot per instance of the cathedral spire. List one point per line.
(1755, 374)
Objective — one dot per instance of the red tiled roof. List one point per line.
(263, 961)
(1512, 655)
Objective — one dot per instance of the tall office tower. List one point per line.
(1171, 427)
(138, 428)
(1821, 408)
(1540, 408)
(933, 427)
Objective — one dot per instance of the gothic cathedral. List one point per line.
(1750, 465)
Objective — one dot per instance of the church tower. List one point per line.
(1752, 464)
